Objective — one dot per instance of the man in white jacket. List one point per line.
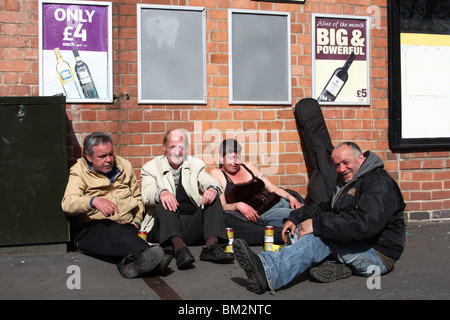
(185, 198)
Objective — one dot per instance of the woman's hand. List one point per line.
(293, 202)
(247, 211)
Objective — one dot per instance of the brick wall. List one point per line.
(424, 175)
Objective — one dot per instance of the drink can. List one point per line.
(277, 248)
(268, 238)
(142, 234)
(288, 237)
(230, 233)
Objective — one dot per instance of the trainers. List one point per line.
(216, 254)
(252, 265)
(329, 271)
(134, 265)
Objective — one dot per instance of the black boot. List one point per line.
(184, 258)
(134, 265)
(252, 265)
(215, 253)
(329, 271)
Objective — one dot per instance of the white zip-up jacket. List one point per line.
(156, 175)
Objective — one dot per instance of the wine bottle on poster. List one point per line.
(336, 82)
(66, 77)
(84, 76)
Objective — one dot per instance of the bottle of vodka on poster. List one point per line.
(66, 77)
(336, 82)
(84, 76)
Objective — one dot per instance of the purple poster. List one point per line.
(75, 50)
(341, 59)
(338, 38)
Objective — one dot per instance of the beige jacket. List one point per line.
(156, 175)
(84, 184)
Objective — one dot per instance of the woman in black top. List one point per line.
(248, 194)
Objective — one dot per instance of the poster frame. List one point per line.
(109, 81)
(284, 1)
(286, 60)
(202, 98)
(396, 139)
(366, 21)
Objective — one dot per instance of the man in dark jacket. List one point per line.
(361, 230)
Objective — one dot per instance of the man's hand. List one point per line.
(168, 200)
(209, 196)
(288, 225)
(304, 228)
(105, 206)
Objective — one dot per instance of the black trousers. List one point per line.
(194, 228)
(108, 238)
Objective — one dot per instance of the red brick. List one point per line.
(433, 164)
(88, 115)
(135, 126)
(135, 151)
(415, 164)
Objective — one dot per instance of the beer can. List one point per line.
(230, 233)
(268, 238)
(288, 237)
(277, 248)
(142, 234)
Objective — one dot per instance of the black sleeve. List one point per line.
(372, 208)
(306, 212)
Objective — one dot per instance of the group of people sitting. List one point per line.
(182, 205)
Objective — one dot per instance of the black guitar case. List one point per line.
(317, 148)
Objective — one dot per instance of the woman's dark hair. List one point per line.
(229, 146)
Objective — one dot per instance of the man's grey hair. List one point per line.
(356, 149)
(183, 131)
(93, 140)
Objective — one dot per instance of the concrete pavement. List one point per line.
(423, 272)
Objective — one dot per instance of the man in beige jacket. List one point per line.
(103, 201)
(185, 199)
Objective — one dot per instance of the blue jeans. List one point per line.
(275, 215)
(282, 267)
